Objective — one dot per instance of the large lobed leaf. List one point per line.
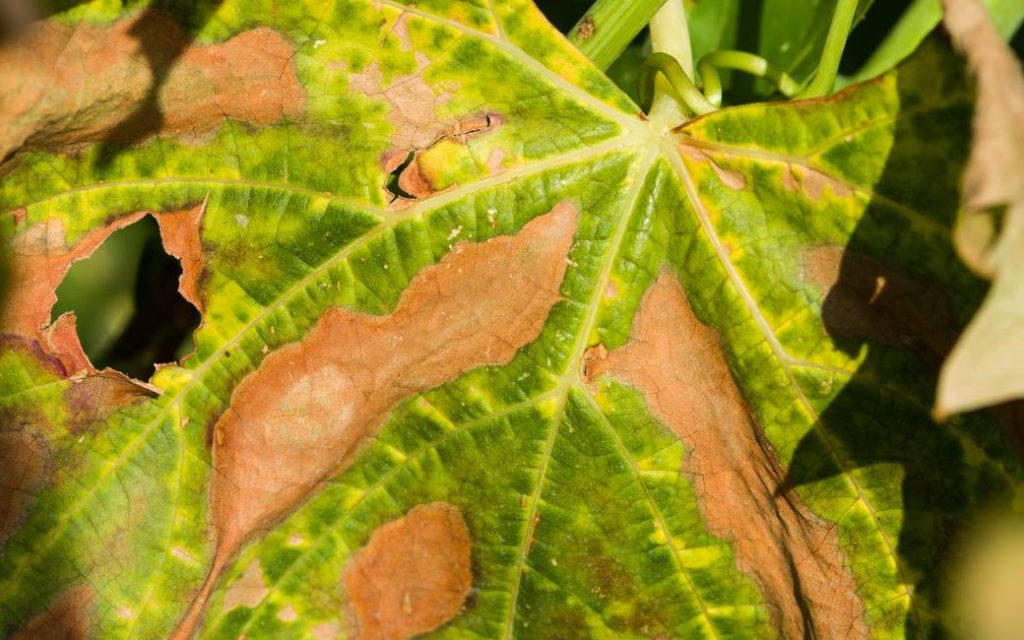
(581, 377)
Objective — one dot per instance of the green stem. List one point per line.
(670, 34)
(828, 68)
(677, 79)
(740, 61)
(919, 19)
(609, 26)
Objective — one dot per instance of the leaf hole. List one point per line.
(392, 186)
(130, 315)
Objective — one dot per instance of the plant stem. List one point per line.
(677, 79)
(609, 26)
(670, 34)
(825, 76)
(919, 19)
(740, 61)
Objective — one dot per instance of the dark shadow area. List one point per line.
(870, 32)
(164, 31)
(563, 14)
(125, 297)
(907, 321)
(743, 87)
(15, 16)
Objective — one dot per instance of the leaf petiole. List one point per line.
(608, 27)
(825, 76)
(740, 61)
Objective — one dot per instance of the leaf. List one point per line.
(793, 32)
(457, 296)
(918, 20)
(790, 34)
(713, 26)
(983, 370)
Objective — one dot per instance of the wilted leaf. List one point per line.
(987, 365)
(458, 293)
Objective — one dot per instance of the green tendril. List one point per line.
(684, 88)
(740, 61)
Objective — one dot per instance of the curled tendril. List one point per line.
(740, 61)
(680, 82)
(690, 96)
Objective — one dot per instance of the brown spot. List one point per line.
(288, 614)
(61, 340)
(247, 591)
(327, 631)
(412, 110)
(183, 555)
(813, 182)
(869, 299)
(400, 30)
(180, 234)
(412, 576)
(25, 460)
(495, 160)
(414, 183)
(300, 417)
(75, 84)
(93, 397)
(728, 177)
(586, 28)
(66, 619)
(41, 258)
(412, 103)
(789, 182)
(678, 363)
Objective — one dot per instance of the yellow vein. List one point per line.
(639, 176)
(655, 511)
(431, 445)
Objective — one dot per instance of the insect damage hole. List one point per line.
(129, 313)
(392, 185)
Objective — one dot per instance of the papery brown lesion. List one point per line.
(66, 86)
(413, 575)
(303, 415)
(680, 366)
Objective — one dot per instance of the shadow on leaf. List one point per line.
(881, 303)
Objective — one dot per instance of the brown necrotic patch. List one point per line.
(75, 84)
(868, 299)
(412, 109)
(41, 258)
(728, 177)
(408, 182)
(812, 183)
(300, 417)
(412, 576)
(25, 461)
(247, 591)
(66, 619)
(677, 362)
